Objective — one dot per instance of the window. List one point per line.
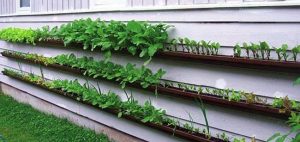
(24, 3)
(23, 6)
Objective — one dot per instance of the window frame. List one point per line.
(21, 10)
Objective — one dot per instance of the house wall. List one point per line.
(228, 26)
(7, 7)
(11, 7)
(58, 5)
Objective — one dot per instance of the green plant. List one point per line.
(264, 49)
(293, 135)
(278, 102)
(284, 48)
(205, 47)
(194, 46)
(90, 94)
(247, 48)
(297, 81)
(20, 122)
(187, 43)
(181, 41)
(278, 51)
(237, 50)
(215, 47)
(223, 137)
(174, 43)
(296, 51)
(18, 35)
(2, 139)
(108, 70)
(136, 37)
(203, 109)
(235, 96)
(255, 48)
(240, 140)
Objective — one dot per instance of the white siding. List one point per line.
(227, 26)
(188, 2)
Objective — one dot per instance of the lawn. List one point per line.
(22, 123)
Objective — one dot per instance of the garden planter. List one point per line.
(178, 132)
(241, 62)
(263, 109)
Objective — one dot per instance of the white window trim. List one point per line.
(98, 4)
(23, 10)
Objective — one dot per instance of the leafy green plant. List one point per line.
(136, 37)
(237, 50)
(108, 70)
(278, 52)
(181, 41)
(284, 48)
(194, 46)
(296, 51)
(18, 35)
(255, 48)
(293, 135)
(223, 137)
(235, 96)
(174, 43)
(264, 49)
(247, 48)
(187, 42)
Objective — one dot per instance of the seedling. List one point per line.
(254, 48)
(278, 52)
(284, 48)
(215, 46)
(264, 48)
(203, 109)
(174, 43)
(181, 41)
(237, 50)
(194, 46)
(295, 52)
(235, 96)
(187, 44)
(247, 48)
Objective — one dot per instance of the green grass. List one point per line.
(22, 123)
